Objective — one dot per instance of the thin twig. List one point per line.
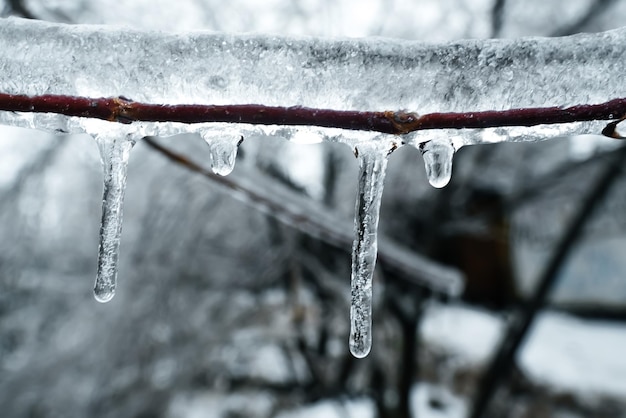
(124, 110)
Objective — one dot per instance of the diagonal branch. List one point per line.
(307, 216)
(497, 17)
(124, 110)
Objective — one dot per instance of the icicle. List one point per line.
(438, 155)
(223, 147)
(373, 164)
(114, 153)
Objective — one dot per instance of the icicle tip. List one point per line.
(103, 295)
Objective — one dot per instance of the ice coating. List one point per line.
(114, 152)
(361, 74)
(223, 145)
(438, 155)
(372, 168)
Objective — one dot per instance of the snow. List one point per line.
(357, 408)
(218, 405)
(563, 352)
(468, 333)
(430, 401)
(427, 401)
(577, 355)
(269, 364)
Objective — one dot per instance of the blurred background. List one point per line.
(224, 310)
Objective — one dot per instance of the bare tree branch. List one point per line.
(124, 110)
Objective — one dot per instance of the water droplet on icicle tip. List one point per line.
(372, 168)
(438, 155)
(223, 147)
(114, 153)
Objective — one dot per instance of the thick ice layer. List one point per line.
(370, 74)
(114, 152)
(373, 165)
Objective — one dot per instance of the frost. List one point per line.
(373, 165)
(114, 152)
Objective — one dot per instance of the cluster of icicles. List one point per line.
(372, 156)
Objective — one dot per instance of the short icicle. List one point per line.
(114, 153)
(373, 165)
(223, 147)
(438, 155)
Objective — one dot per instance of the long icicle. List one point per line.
(373, 165)
(114, 153)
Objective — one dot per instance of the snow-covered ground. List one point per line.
(563, 352)
(577, 355)
(216, 406)
(361, 408)
(468, 333)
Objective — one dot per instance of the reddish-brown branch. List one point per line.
(123, 110)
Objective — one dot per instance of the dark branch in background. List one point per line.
(123, 110)
(595, 9)
(517, 331)
(497, 17)
(413, 269)
(544, 184)
(407, 307)
(17, 8)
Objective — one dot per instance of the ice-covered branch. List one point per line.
(463, 78)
